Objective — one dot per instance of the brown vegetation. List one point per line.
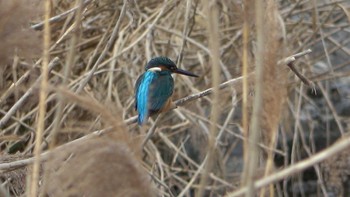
(99, 166)
(97, 49)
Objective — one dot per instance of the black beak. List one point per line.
(183, 72)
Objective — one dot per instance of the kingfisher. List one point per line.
(154, 88)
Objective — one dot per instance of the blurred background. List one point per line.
(100, 57)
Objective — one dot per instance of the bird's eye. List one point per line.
(172, 68)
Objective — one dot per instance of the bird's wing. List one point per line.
(137, 85)
(160, 92)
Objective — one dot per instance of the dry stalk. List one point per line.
(108, 46)
(33, 192)
(248, 17)
(59, 17)
(55, 62)
(234, 83)
(67, 67)
(175, 153)
(214, 46)
(336, 148)
(250, 168)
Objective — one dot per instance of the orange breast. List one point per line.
(167, 105)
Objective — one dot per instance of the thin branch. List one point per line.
(59, 17)
(289, 61)
(67, 67)
(339, 146)
(26, 95)
(292, 58)
(106, 49)
(305, 80)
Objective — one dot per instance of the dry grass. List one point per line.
(97, 51)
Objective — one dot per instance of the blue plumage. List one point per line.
(142, 96)
(154, 88)
(152, 92)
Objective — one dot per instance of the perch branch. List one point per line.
(236, 82)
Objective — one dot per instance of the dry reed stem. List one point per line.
(248, 17)
(59, 17)
(334, 149)
(249, 170)
(42, 102)
(90, 74)
(331, 107)
(234, 83)
(185, 32)
(214, 46)
(67, 67)
(114, 146)
(107, 47)
(299, 130)
(28, 93)
(174, 157)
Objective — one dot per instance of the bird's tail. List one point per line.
(141, 119)
(143, 110)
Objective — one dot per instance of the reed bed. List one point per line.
(271, 93)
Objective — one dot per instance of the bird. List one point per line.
(155, 87)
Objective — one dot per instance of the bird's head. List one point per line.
(158, 64)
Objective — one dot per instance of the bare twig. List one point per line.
(305, 80)
(107, 47)
(67, 67)
(59, 17)
(289, 61)
(26, 95)
(175, 156)
(292, 58)
(341, 145)
(42, 103)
